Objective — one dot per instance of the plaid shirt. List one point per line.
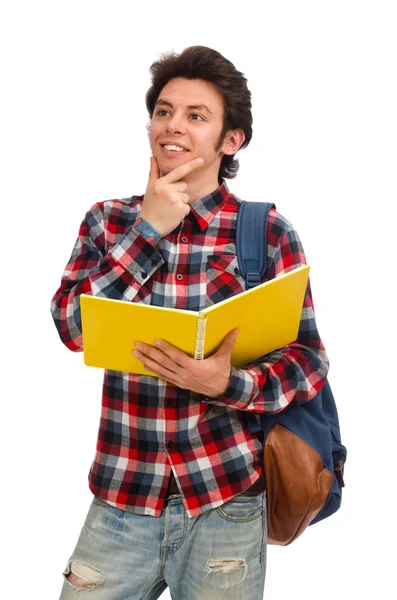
(148, 426)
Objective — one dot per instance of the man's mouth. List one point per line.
(172, 149)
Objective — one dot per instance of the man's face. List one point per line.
(197, 129)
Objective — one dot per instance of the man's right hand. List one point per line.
(166, 203)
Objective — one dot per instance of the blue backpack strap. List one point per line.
(251, 249)
(251, 240)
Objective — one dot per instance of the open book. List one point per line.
(267, 317)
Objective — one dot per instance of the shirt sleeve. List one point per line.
(118, 273)
(294, 373)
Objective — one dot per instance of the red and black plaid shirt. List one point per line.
(147, 426)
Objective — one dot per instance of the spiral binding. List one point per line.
(200, 338)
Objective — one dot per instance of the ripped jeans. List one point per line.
(218, 555)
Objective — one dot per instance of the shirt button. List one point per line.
(236, 270)
(184, 239)
(179, 277)
(170, 402)
(144, 274)
(170, 444)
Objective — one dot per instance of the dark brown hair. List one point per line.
(200, 62)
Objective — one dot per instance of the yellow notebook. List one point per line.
(267, 317)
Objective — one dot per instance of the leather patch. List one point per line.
(297, 483)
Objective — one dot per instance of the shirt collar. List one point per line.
(206, 208)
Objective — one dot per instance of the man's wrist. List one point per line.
(219, 394)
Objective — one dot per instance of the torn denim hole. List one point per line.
(227, 572)
(86, 576)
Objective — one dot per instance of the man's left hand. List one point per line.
(209, 376)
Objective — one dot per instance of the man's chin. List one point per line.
(166, 166)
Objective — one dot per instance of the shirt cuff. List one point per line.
(240, 393)
(136, 255)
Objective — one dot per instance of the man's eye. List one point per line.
(162, 112)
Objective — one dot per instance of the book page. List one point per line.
(111, 327)
(267, 316)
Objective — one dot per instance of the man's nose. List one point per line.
(176, 124)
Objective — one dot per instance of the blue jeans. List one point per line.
(220, 554)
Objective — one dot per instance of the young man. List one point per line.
(179, 493)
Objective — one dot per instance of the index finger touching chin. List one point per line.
(182, 170)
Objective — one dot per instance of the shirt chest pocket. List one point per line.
(224, 278)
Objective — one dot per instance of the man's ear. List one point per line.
(233, 141)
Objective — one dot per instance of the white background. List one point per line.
(73, 132)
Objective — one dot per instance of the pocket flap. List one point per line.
(224, 262)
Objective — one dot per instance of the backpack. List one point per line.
(303, 456)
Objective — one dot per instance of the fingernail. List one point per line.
(200, 161)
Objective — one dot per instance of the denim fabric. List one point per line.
(219, 554)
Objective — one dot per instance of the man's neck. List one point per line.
(199, 189)
(202, 182)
